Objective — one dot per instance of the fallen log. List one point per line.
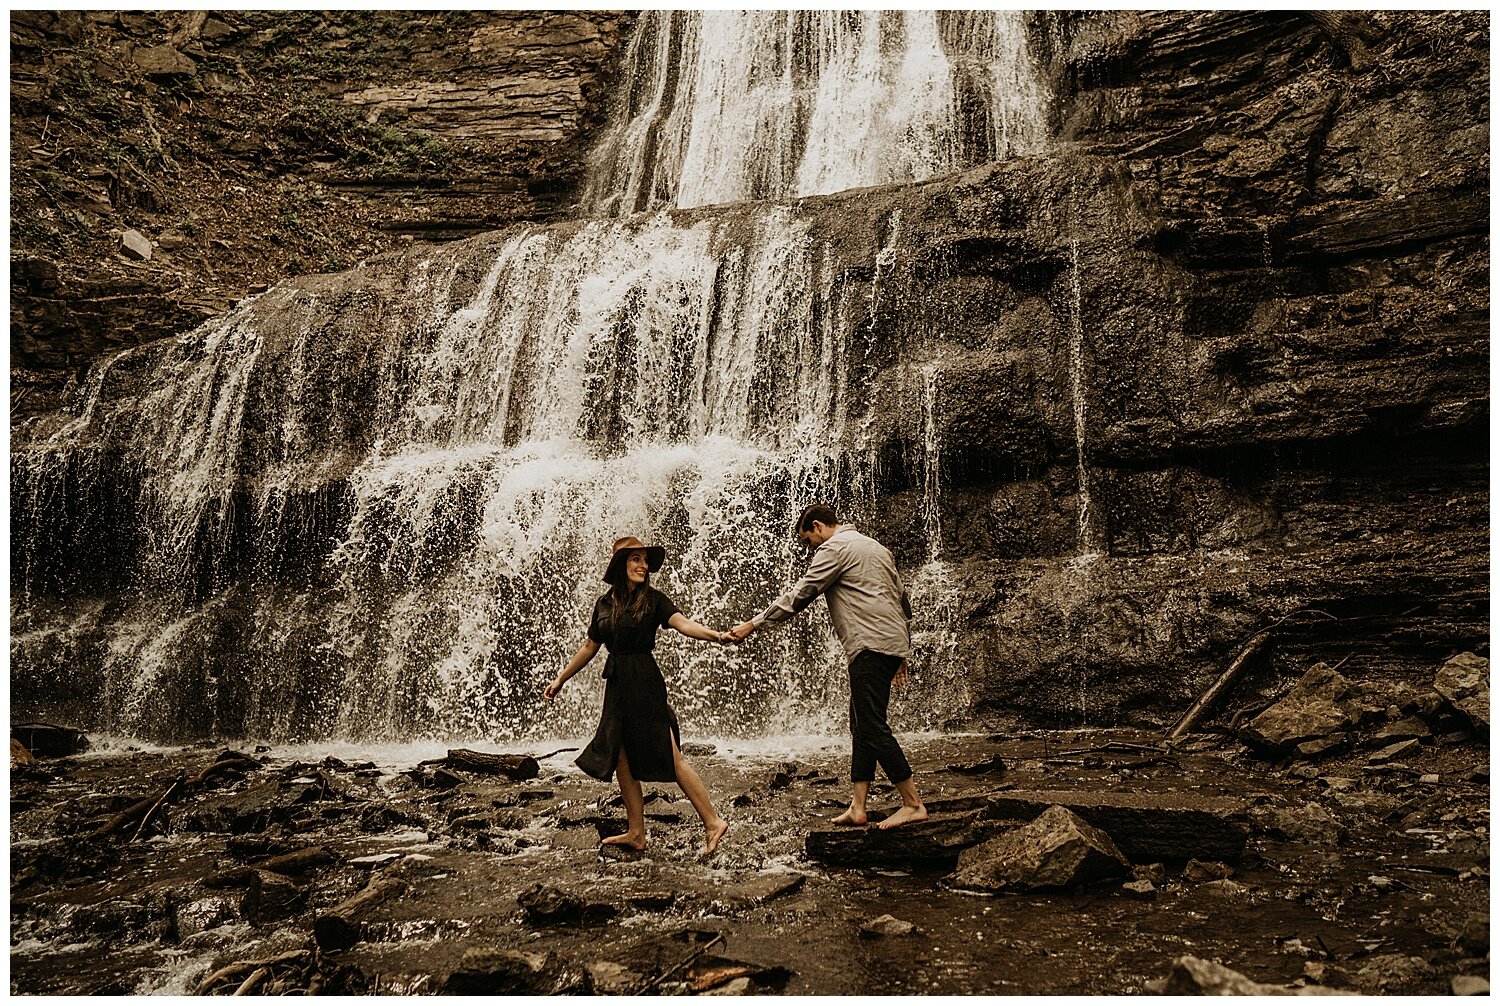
(340, 927)
(248, 985)
(1216, 690)
(517, 767)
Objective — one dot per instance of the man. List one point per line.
(870, 610)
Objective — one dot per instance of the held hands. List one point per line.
(739, 632)
(902, 675)
(554, 686)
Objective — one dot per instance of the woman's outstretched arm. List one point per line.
(580, 660)
(695, 630)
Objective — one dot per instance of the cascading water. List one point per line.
(727, 106)
(378, 506)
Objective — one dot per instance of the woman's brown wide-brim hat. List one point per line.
(615, 571)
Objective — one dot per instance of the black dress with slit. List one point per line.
(636, 715)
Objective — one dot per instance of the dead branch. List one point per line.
(686, 962)
(1216, 690)
(339, 927)
(146, 818)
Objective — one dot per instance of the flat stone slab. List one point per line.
(1147, 827)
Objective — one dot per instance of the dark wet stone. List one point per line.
(759, 890)
(271, 896)
(1198, 872)
(253, 809)
(491, 971)
(986, 766)
(1475, 936)
(1156, 873)
(48, 740)
(1059, 850)
(546, 905)
(699, 749)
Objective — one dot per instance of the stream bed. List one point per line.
(1383, 889)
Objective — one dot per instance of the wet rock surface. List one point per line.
(1398, 905)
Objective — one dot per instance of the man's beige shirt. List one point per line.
(866, 598)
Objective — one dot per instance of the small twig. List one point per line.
(549, 754)
(686, 962)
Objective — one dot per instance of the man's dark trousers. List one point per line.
(870, 675)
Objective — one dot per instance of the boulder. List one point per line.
(1323, 702)
(1057, 850)
(47, 740)
(271, 896)
(1465, 682)
(492, 971)
(1304, 823)
(1469, 985)
(548, 906)
(885, 925)
(136, 245)
(1409, 727)
(1475, 936)
(1194, 976)
(1199, 872)
(607, 978)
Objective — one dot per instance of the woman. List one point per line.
(638, 736)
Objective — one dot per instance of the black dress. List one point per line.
(636, 716)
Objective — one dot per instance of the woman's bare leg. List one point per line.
(697, 794)
(635, 808)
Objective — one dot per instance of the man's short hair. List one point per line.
(820, 512)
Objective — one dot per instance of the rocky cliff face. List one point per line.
(244, 147)
(1216, 362)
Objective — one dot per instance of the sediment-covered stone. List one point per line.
(1059, 850)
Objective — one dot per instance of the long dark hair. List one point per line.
(629, 604)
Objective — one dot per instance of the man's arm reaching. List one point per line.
(825, 569)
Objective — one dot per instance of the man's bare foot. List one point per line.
(906, 815)
(852, 817)
(636, 841)
(715, 832)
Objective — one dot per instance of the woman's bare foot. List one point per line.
(852, 817)
(906, 815)
(716, 831)
(635, 841)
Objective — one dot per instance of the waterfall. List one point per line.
(378, 505)
(728, 106)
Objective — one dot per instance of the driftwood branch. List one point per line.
(686, 962)
(233, 971)
(130, 813)
(1218, 688)
(146, 818)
